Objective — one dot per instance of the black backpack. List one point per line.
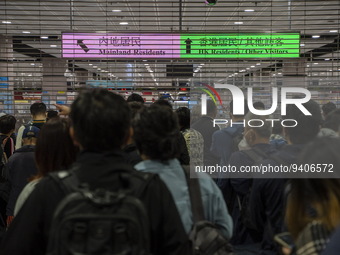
(205, 237)
(100, 222)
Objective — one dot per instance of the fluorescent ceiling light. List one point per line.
(248, 10)
(327, 59)
(44, 37)
(90, 64)
(238, 23)
(26, 32)
(315, 36)
(116, 10)
(302, 45)
(123, 23)
(6, 22)
(252, 66)
(333, 31)
(53, 46)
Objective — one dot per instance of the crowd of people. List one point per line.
(108, 143)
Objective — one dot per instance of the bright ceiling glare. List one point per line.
(238, 22)
(249, 10)
(316, 36)
(123, 23)
(44, 37)
(333, 31)
(116, 10)
(210, 2)
(6, 22)
(26, 32)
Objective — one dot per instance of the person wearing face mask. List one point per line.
(254, 147)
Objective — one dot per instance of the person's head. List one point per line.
(257, 129)
(211, 109)
(327, 108)
(321, 196)
(135, 108)
(38, 110)
(7, 124)
(30, 135)
(135, 98)
(332, 120)
(156, 133)
(307, 127)
(51, 114)
(183, 114)
(100, 120)
(236, 116)
(163, 102)
(259, 105)
(54, 149)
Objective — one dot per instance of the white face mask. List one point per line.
(243, 145)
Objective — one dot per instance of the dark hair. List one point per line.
(321, 195)
(211, 108)
(54, 149)
(259, 105)
(135, 98)
(246, 109)
(135, 108)
(101, 120)
(156, 133)
(327, 108)
(7, 123)
(308, 126)
(51, 114)
(277, 128)
(332, 120)
(38, 108)
(183, 114)
(163, 102)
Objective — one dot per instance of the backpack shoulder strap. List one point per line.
(66, 180)
(195, 195)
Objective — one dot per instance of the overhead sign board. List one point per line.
(133, 45)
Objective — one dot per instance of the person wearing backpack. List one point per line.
(100, 169)
(246, 238)
(224, 143)
(20, 167)
(155, 133)
(7, 127)
(39, 114)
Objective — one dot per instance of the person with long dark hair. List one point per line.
(54, 151)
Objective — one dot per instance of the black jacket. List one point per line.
(205, 126)
(30, 228)
(20, 167)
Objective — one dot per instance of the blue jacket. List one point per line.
(172, 174)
